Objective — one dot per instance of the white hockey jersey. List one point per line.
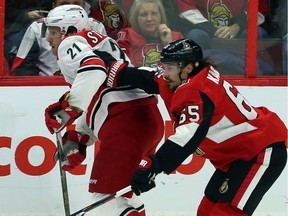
(46, 62)
(83, 60)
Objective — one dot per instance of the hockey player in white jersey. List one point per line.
(117, 117)
(44, 62)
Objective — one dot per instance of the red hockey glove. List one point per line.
(144, 178)
(62, 110)
(113, 72)
(74, 149)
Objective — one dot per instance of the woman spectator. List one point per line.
(148, 34)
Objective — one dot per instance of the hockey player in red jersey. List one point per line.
(116, 117)
(211, 118)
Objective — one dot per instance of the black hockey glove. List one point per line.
(144, 177)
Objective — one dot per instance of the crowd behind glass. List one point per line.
(221, 32)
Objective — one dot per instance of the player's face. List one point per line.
(149, 18)
(171, 74)
(54, 38)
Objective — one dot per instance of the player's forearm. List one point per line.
(138, 78)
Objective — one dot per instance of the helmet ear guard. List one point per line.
(66, 16)
(183, 52)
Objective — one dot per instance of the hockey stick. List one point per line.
(102, 201)
(63, 174)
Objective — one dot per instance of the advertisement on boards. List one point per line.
(30, 178)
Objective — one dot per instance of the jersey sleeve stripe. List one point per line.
(93, 60)
(91, 68)
(87, 58)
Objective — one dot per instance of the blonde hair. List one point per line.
(134, 12)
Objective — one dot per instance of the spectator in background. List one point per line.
(18, 12)
(34, 56)
(217, 19)
(148, 34)
(18, 16)
(212, 25)
(110, 14)
(169, 6)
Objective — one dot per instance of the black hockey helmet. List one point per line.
(182, 51)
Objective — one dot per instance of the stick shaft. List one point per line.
(102, 201)
(63, 175)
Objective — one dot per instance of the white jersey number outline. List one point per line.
(241, 103)
(192, 114)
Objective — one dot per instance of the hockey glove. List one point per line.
(113, 72)
(74, 149)
(144, 178)
(63, 111)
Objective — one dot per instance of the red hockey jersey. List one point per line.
(141, 51)
(213, 119)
